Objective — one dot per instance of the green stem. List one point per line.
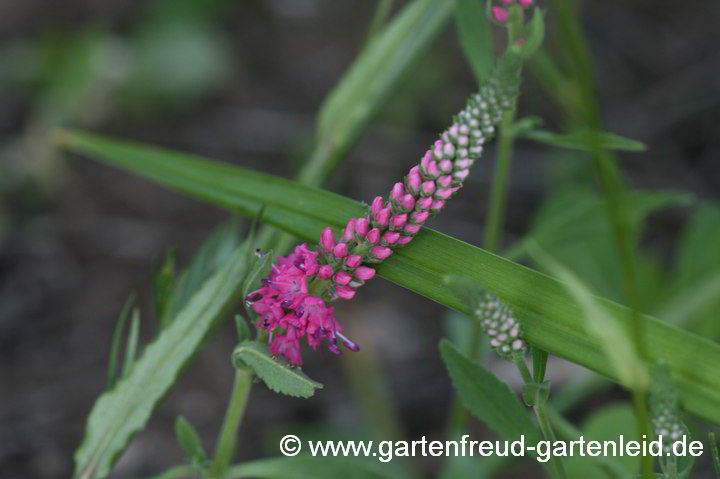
(227, 439)
(543, 419)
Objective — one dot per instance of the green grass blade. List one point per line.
(589, 141)
(549, 314)
(474, 33)
(132, 343)
(120, 413)
(117, 340)
(189, 440)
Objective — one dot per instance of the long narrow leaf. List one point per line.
(549, 314)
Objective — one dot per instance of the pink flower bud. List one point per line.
(354, 260)
(327, 239)
(398, 191)
(420, 216)
(424, 203)
(500, 14)
(525, 3)
(444, 193)
(377, 204)
(408, 202)
(381, 252)
(445, 181)
(446, 166)
(405, 240)
(399, 221)
(373, 236)
(464, 163)
(349, 232)
(362, 225)
(414, 181)
(340, 250)
(383, 216)
(449, 149)
(325, 271)
(364, 273)
(461, 174)
(342, 278)
(412, 229)
(437, 205)
(391, 237)
(428, 187)
(345, 292)
(426, 160)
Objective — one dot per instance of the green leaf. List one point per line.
(117, 340)
(132, 343)
(163, 282)
(549, 314)
(585, 140)
(243, 330)
(607, 424)
(189, 440)
(486, 397)
(603, 325)
(303, 467)
(378, 69)
(540, 359)
(474, 33)
(120, 413)
(278, 374)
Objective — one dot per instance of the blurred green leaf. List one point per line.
(602, 324)
(371, 78)
(163, 282)
(486, 397)
(549, 314)
(117, 340)
(607, 424)
(535, 34)
(475, 37)
(120, 413)
(242, 328)
(277, 373)
(303, 467)
(132, 343)
(189, 440)
(540, 359)
(715, 454)
(589, 141)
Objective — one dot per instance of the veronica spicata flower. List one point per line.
(294, 300)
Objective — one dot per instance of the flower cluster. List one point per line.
(498, 322)
(293, 300)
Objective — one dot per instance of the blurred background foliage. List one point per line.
(242, 82)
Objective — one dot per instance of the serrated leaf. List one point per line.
(589, 141)
(475, 37)
(548, 313)
(278, 374)
(303, 467)
(486, 397)
(120, 413)
(189, 440)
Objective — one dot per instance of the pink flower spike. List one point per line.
(500, 14)
(364, 273)
(373, 236)
(377, 204)
(398, 191)
(342, 278)
(398, 221)
(382, 252)
(328, 239)
(391, 237)
(325, 272)
(354, 260)
(362, 225)
(340, 250)
(345, 292)
(349, 232)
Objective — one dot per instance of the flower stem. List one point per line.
(227, 439)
